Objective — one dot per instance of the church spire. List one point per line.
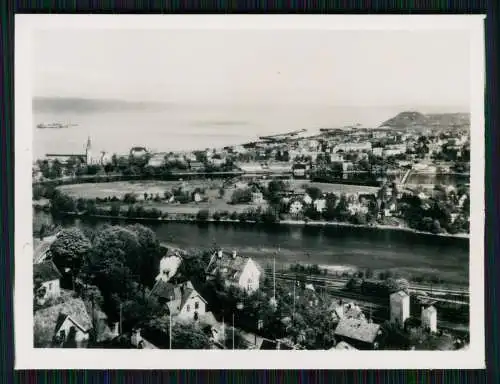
(89, 145)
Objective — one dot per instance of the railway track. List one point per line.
(343, 281)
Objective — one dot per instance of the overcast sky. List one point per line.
(342, 68)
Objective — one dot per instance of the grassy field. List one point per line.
(333, 188)
(191, 208)
(120, 188)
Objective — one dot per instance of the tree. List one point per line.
(216, 216)
(69, 250)
(241, 196)
(130, 198)
(115, 209)
(342, 208)
(314, 192)
(38, 192)
(222, 192)
(234, 338)
(330, 212)
(148, 254)
(184, 336)
(436, 227)
(111, 262)
(203, 215)
(56, 169)
(61, 203)
(269, 216)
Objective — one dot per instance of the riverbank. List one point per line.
(182, 218)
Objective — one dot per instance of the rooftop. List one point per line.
(357, 330)
(46, 271)
(48, 320)
(175, 295)
(228, 264)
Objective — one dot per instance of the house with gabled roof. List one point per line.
(235, 270)
(183, 300)
(64, 325)
(47, 274)
(358, 333)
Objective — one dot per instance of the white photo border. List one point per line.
(27, 357)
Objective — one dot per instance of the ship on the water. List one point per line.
(55, 125)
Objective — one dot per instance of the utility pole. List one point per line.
(233, 331)
(274, 277)
(293, 310)
(170, 328)
(121, 325)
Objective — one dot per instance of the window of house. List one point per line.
(188, 308)
(249, 281)
(50, 286)
(196, 305)
(196, 316)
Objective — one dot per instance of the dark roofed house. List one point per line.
(358, 333)
(47, 274)
(182, 300)
(64, 325)
(235, 270)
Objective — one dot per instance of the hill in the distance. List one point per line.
(411, 119)
(81, 105)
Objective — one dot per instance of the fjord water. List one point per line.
(408, 252)
(187, 127)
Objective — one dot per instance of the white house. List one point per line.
(197, 197)
(296, 207)
(106, 158)
(320, 204)
(49, 276)
(235, 270)
(156, 161)
(336, 157)
(257, 197)
(377, 151)
(62, 323)
(182, 300)
(307, 199)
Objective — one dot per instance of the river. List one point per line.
(404, 252)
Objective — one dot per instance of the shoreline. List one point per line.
(304, 223)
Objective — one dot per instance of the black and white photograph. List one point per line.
(232, 186)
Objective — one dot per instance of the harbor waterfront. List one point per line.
(329, 247)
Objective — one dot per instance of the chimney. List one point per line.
(235, 254)
(219, 253)
(136, 337)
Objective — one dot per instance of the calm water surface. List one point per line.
(332, 246)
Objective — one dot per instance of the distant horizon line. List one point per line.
(403, 108)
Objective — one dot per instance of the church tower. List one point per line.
(88, 152)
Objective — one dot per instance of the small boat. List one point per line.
(55, 125)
